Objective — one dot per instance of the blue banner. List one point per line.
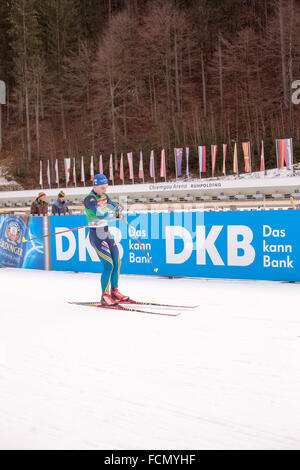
(13, 251)
(34, 256)
(229, 245)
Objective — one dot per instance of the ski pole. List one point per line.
(24, 240)
(51, 234)
(124, 218)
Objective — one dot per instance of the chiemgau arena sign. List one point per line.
(232, 245)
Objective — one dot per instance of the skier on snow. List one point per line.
(99, 210)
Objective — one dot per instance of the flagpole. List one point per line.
(276, 153)
(143, 168)
(237, 160)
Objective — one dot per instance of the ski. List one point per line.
(123, 308)
(138, 302)
(147, 304)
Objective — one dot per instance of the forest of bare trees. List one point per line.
(111, 76)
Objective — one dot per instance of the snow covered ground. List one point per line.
(224, 376)
(4, 181)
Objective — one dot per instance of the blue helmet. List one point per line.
(99, 180)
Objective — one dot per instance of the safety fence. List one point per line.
(226, 245)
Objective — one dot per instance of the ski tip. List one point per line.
(24, 240)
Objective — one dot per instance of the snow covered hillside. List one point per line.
(5, 182)
(223, 376)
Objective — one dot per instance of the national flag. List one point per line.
(178, 161)
(121, 168)
(284, 153)
(92, 168)
(111, 170)
(41, 173)
(130, 164)
(100, 164)
(152, 167)
(213, 158)
(74, 172)
(202, 158)
(82, 179)
(235, 159)
(224, 158)
(48, 173)
(163, 164)
(262, 157)
(67, 169)
(289, 154)
(141, 167)
(56, 173)
(246, 151)
(187, 153)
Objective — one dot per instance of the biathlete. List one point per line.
(100, 210)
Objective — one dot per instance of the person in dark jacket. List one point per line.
(39, 205)
(59, 207)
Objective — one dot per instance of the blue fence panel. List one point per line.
(34, 256)
(231, 245)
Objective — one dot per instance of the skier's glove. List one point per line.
(118, 210)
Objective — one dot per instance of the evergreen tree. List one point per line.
(25, 46)
(5, 52)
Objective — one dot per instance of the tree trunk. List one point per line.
(283, 58)
(290, 65)
(26, 88)
(37, 118)
(177, 92)
(203, 86)
(63, 122)
(221, 80)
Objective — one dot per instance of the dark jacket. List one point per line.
(39, 207)
(59, 208)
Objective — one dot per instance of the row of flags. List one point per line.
(284, 153)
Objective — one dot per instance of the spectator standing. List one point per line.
(59, 207)
(39, 205)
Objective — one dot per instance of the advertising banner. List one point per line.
(13, 251)
(229, 245)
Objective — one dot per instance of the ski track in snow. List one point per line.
(224, 376)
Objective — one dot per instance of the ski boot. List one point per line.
(116, 295)
(107, 300)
